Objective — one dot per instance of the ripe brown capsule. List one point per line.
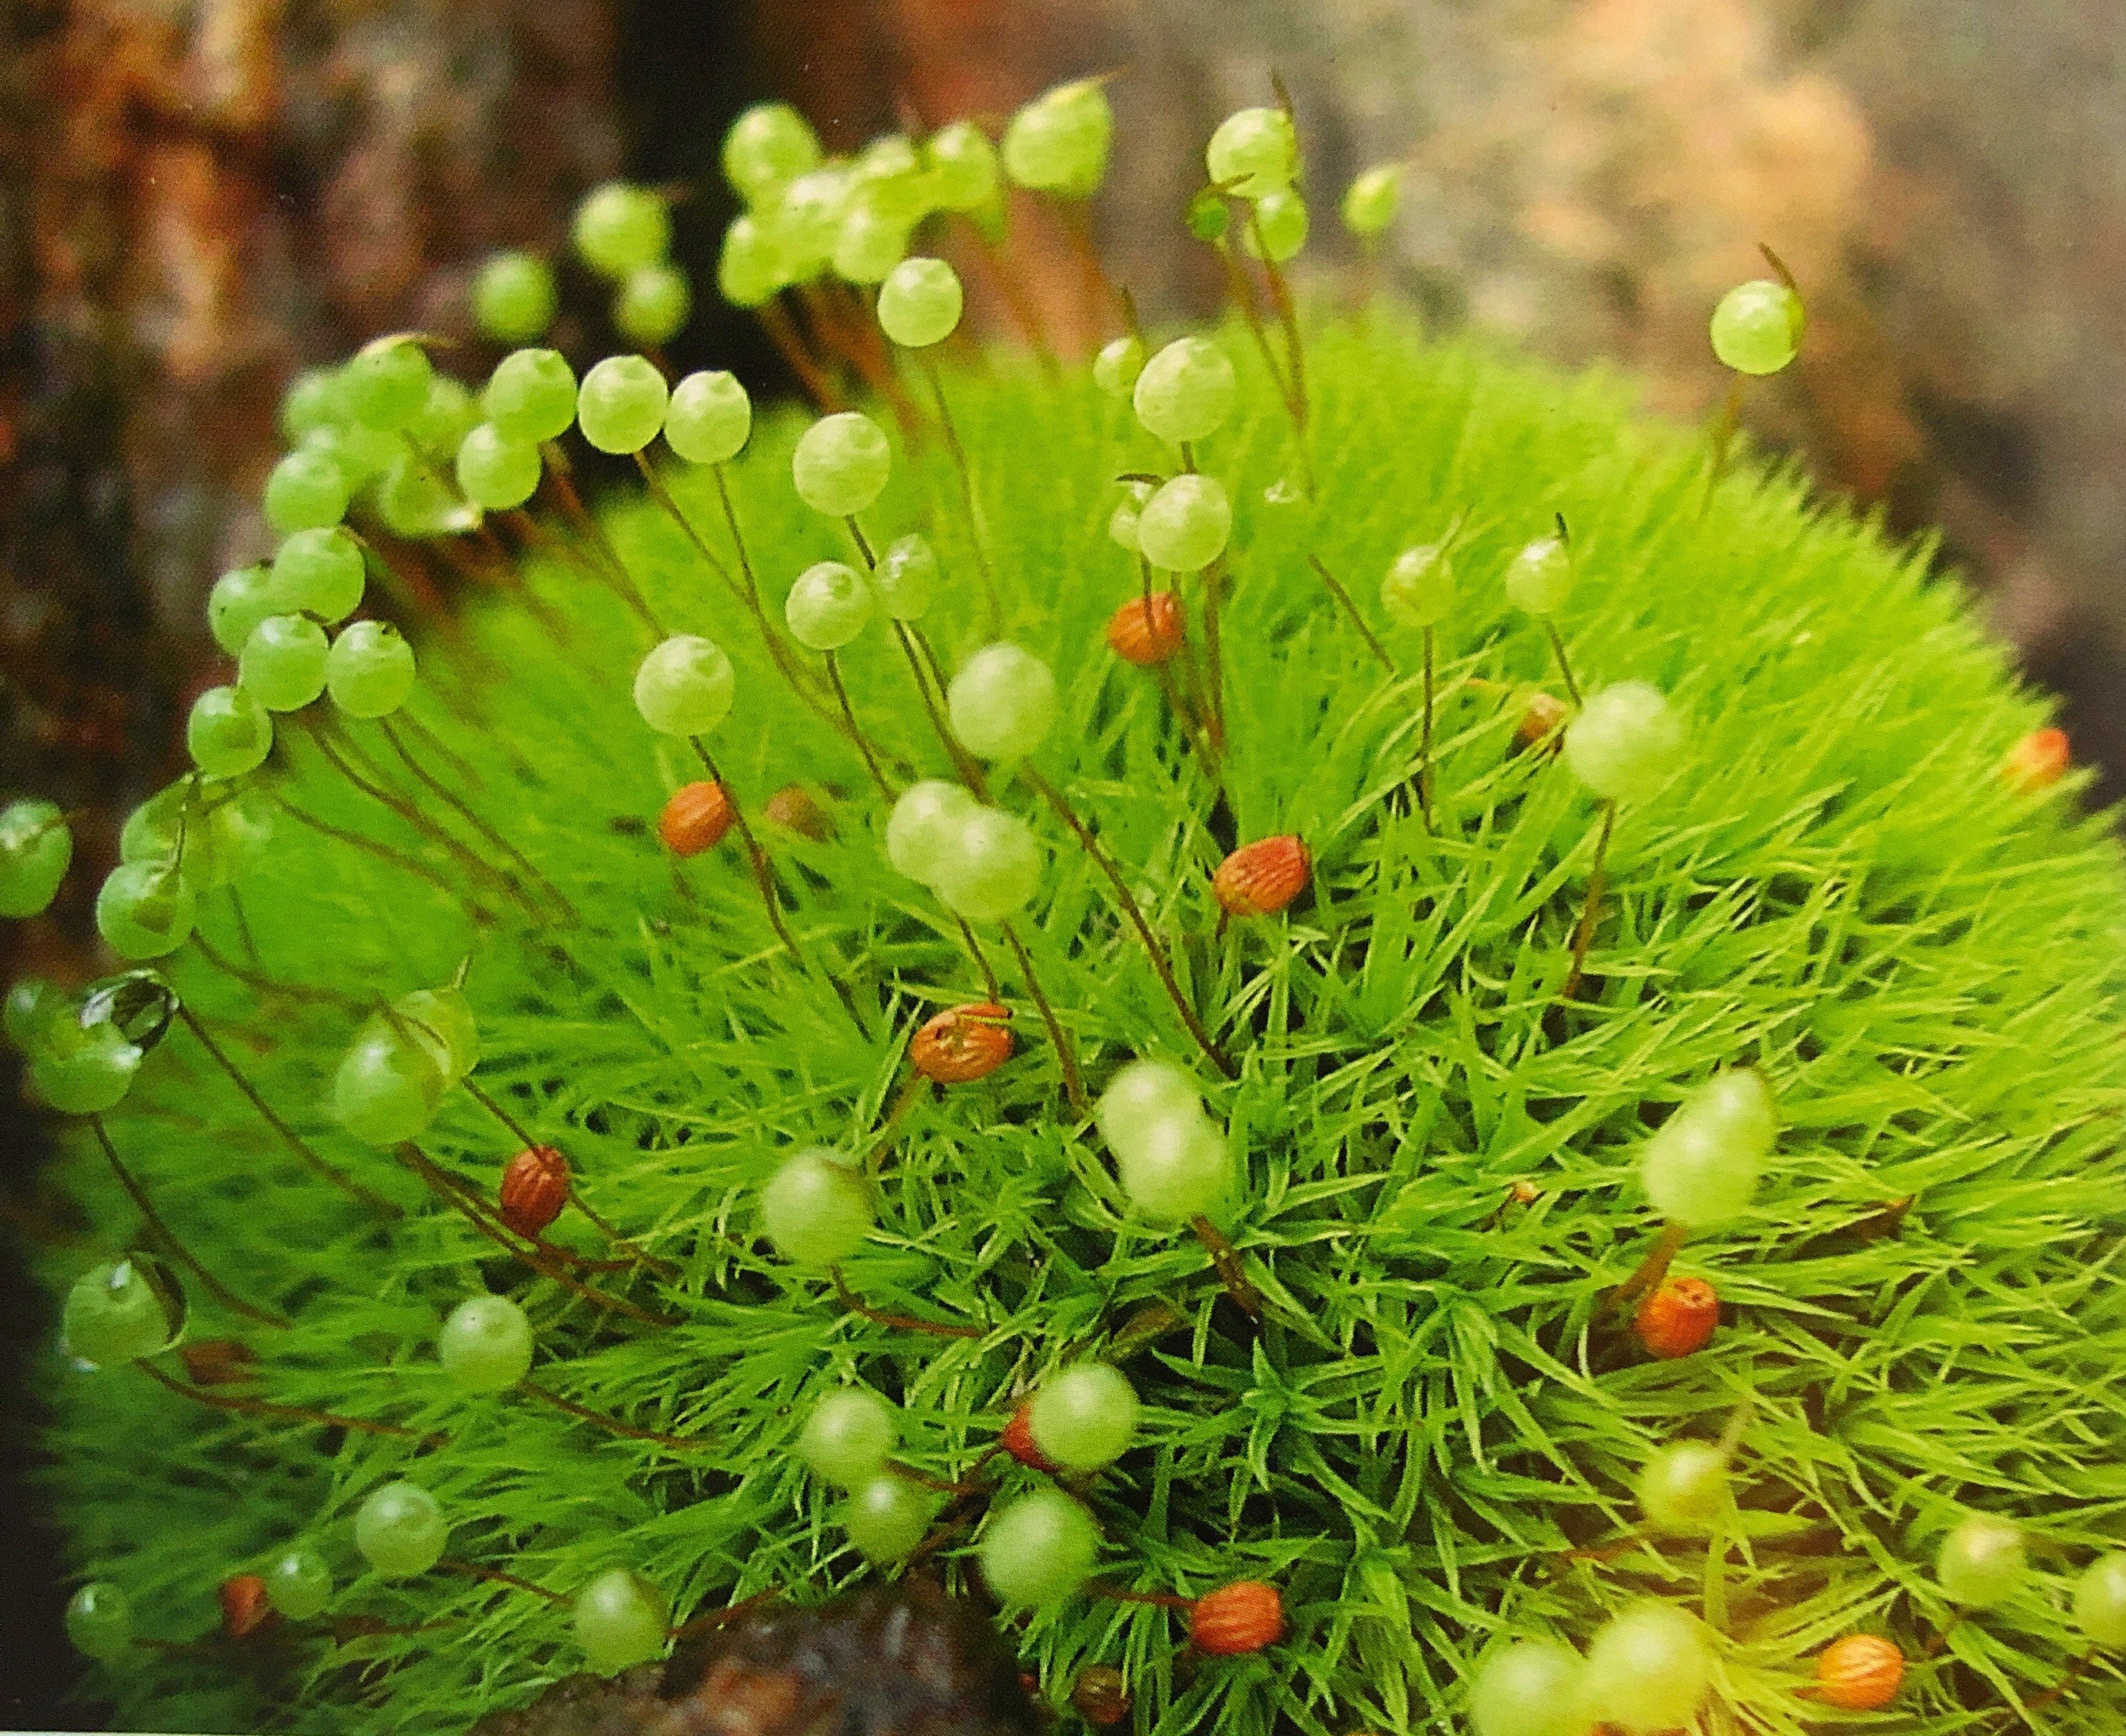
(793, 808)
(1101, 1696)
(1145, 632)
(244, 1608)
(1543, 717)
(2037, 762)
(1262, 878)
(696, 819)
(1677, 1317)
(535, 1188)
(1861, 1672)
(1243, 1617)
(962, 1042)
(1018, 1439)
(216, 1361)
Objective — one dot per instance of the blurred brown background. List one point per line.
(198, 196)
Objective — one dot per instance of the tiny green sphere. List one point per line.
(872, 239)
(848, 1436)
(749, 265)
(119, 1312)
(620, 404)
(829, 605)
(229, 733)
(369, 672)
(1185, 524)
(1533, 1688)
(36, 845)
(416, 502)
(283, 665)
(320, 572)
(1682, 1487)
(888, 174)
(923, 832)
(816, 1209)
(445, 418)
(709, 418)
(1039, 1550)
(1059, 142)
(1084, 1417)
(361, 453)
(1419, 590)
(494, 471)
(1275, 229)
(906, 580)
(1186, 390)
(887, 1516)
(485, 1344)
(1626, 743)
(99, 1622)
(1254, 153)
(620, 228)
(1140, 1095)
(1703, 1166)
(1648, 1669)
(841, 464)
(1372, 201)
(82, 1072)
(514, 298)
(145, 910)
(400, 1530)
(1209, 216)
(621, 1620)
(1539, 578)
(530, 396)
(1123, 526)
(441, 1020)
(653, 306)
(805, 221)
(311, 401)
(685, 685)
(241, 598)
(385, 1089)
(386, 382)
(2100, 1601)
(1757, 327)
(994, 868)
(1117, 367)
(298, 1584)
(1003, 702)
(1982, 1562)
(32, 1006)
(305, 490)
(965, 174)
(768, 147)
(1174, 1168)
(920, 302)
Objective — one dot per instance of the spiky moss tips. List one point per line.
(1839, 890)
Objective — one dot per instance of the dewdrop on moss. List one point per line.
(1039, 1550)
(1626, 743)
(1083, 1417)
(685, 685)
(1533, 1688)
(1419, 589)
(924, 829)
(1059, 142)
(841, 464)
(1372, 201)
(514, 297)
(992, 868)
(1757, 327)
(1120, 361)
(848, 1436)
(36, 845)
(919, 303)
(621, 405)
(1254, 152)
(369, 672)
(1702, 1169)
(620, 228)
(485, 1344)
(1186, 391)
(1648, 1669)
(816, 1209)
(1982, 1563)
(829, 605)
(1185, 524)
(768, 147)
(1003, 702)
(709, 418)
(1539, 578)
(906, 577)
(1682, 1487)
(400, 1530)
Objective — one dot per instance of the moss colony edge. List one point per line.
(1202, 1106)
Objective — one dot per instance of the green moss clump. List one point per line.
(1433, 1412)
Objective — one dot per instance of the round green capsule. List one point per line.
(806, 221)
(654, 305)
(965, 174)
(441, 1022)
(621, 1620)
(841, 464)
(709, 418)
(2100, 1601)
(1059, 142)
(400, 1530)
(485, 1344)
(1626, 743)
(36, 845)
(447, 416)
(311, 401)
(1648, 1669)
(994, 868)
(1682, 1487)
(1982, 1562)
(685, 685)
(768, 147)
(495, 473)
(829, 605)
(621, 405)
(32, 1007)
(848, 1436)
(514, 299)
(1419, 589)
(283, 665)
(145, 910)
(1703, 1166)
(1117, 368)
(369, 672)
(1187, 390)
(1372, 201)
(872, 239)
(620, 228)
(1185, 524)
(1757, 327)
(1140, 1095)
(887, 1516)
(1539, 578)
(81, 1071)
(923, 832)
(229, 733)
(120, 1312)
(1254, 153)
(530, 396)
(1084, 1417)
(305, 490)
(386, 382)
(99, 1622)
(816, 1208)
(906, 580)
(320, 572)
(1038, 1549)
(1003, 702)
(240, 599)
(1174, 1167)
(1275, 229)
(919, 303)
(386, 1088)
(1534, 1689)
(299, 1584)
(749, 265)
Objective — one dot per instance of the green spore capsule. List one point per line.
(1757, 327)
(1141, 1095)
(1117, 367)
(1185, 524)
(872, 239)
(32, 1005)
(709, 418)
(415, 502)
(1539, 578)
(1982, 1562)
(654, 305)
(1084, 1417)
(621, 405)
(1208, 216)
(386, 382)
(400, 1530)
(923, 832)
(229, 733)
(495, 473)
(369, 672)
(749, 266)
(1536, 1688)
(1626, 743)
(1703, 1166)
(441, 1022)
(621, 1620)
(320, 572)
(447, 416)
(906, 578)
(311, 401)
(120, 1312)
(2099, 1602)
(1254, 153)
(386, 1088)
(1684, 1487)
(806, 221)
(36, 845)
(887, 1516)
(1187, 390)
(841, 464)
(145, 910)
(514, 299)
(620, 228)
(1419, 589)
(768, 147)
(829, 605)
(1275, 229)
(485, 1344)
(1038, 1549)
(994, 868)
(241, 598)
(298, 1584)
(305, 490)
(1372, 201)
(1059, 142)
(283, 665)
(848, 1435)
(530, 396)
(1123, 524)
(99, 1622)
(965, 174)
(1003, 702)
(1174, 1167)
(920, 302)
(685, 685)
(1648, 1669)
(83, 1071)
(816, 1209)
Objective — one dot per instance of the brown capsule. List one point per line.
(1861, 1672)
(1545, 714)
(1018, 1439)
(1145, 632)
(1242, 1617)
(1262, 878)
(244, 1607)
(962, 1042)
(535, 1189)
(1677, 1318)
(2037, 762)
(793, 808)
(1101, 1696)
(696, 819)
(216, 1361)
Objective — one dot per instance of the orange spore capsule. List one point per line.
(2037, 761)
(1861, 1672)
(535, 1189)
(1262, 878)
(696, 819)
(962, 1044)
(1146, 632)
(1242, 1617)
(1677, 1318)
